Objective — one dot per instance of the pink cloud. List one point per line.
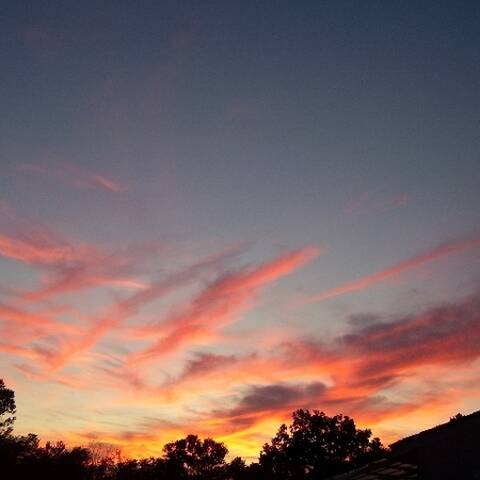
(408, 264)
(108, 184)
(117, 313)
(220, 304)
(67, 266)
(260, 382)
(23, 317)
(34, 251)
(361, 367)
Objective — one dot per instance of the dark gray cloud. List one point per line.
(450, 333)
(261, 400)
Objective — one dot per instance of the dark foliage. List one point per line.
(317, 446)
(312, 447)
(196, 459)
(7, 407)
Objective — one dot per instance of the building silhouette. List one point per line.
(450, 451)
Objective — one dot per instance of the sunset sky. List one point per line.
(213, 213)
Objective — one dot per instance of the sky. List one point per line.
(214, 213)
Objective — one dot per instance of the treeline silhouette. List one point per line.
(313, 446)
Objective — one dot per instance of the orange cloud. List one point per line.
(220, 304)
(128, 307)
(360, 369)
(354, 367)
(66, 266)
(70, 381)
(259, 390)
(245, 392)
(18, 351)
(23, 317)
(409, 264)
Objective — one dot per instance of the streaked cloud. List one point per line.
(220, 304)
(118, 312)
(68, 266)
(411, 263)
(164, 172)
(74, 175)
(180, 315)
(377, 202)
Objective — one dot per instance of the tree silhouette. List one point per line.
(238, 470)
(7, 407)
(313, 447)
(56, 462)
(456, 417)
(317, 446)
(17, 454)
(103, 458)
(191, 457)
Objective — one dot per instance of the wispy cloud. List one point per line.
(257, 391)
(117, 313)
(220, 304)
(74, 175)
(359, 369)
(24, 317)
(244, 390)
(69, 266)
(376, 202)
(396, 269)
(445, 334)
(362, 363)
